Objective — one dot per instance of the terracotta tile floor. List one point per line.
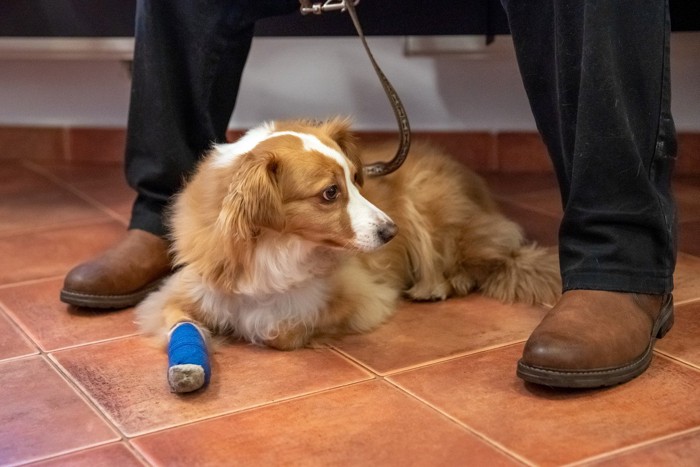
(434, 386)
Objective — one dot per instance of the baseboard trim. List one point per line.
(507, 151)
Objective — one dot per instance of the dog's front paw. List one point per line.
(186, 377)
(188, 360)
(426, 292)
(289, 339)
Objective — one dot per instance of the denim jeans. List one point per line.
(188, 61)
(596, 73)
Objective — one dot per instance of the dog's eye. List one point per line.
(331, 193)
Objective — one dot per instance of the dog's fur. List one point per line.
(279, 239)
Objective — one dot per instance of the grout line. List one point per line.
(20, 357)
(11, 318)
(508, 199)
(138, 454)
(84, 394)
(68, 186)
(127, 437)
(78, 390)
(482, 436)
(676, 359)
(45, 357)
(355, 363)
(30, 282)
(57, 226)
(55, 456)
(34, 340)
(66, 452)
(611, 455)
(258, 406)
(687, 301)
(433, 362)
(99, 341)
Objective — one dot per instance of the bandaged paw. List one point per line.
(188, 360)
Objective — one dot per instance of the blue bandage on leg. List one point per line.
(188, 360)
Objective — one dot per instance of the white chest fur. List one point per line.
(287, 285)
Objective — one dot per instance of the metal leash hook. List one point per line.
(376, 169)
(318, 8)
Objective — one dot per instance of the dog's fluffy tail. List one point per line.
(494, 258)
(529, 274)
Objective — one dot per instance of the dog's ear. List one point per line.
(253, 200)
(339, 131)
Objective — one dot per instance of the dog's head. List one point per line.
(297, 177)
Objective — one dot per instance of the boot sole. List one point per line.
(84, 300)
(602, 377)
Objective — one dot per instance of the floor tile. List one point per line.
(689, 238)
(116, 454)
(46, 417)
(12, 342)
(32, 143)
(522, 152)
(555, 427)
(686, 278)
(509, 184)
(683, 341)
(474, 149)
(540, 193)
(80, 173)
(313, 406)
(53, 324)
(118, 198)
(96, 144)
(688, 200)
(364, 424)
(15, 179)
(688, 153)
(50, 253)
(31, 201)
(105, 184)
(127, 379)
(681, 451)
(422, 332)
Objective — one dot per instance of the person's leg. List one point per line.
(597, 79)
(188, 62)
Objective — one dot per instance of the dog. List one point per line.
(279, 239)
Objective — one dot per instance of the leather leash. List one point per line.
(376, 169)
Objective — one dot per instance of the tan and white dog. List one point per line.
(279, 239)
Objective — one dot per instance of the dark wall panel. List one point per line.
(114, 18)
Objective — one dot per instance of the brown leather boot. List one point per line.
(595, 338)
(121, 276)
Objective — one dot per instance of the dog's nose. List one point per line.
(387, 231)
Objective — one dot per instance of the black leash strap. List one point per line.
(378, 168)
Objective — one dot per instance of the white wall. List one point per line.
(321, 77)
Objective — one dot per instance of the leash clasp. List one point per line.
(329, 5)
(376, 169)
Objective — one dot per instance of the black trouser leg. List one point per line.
(597, 76)
(188, 62)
